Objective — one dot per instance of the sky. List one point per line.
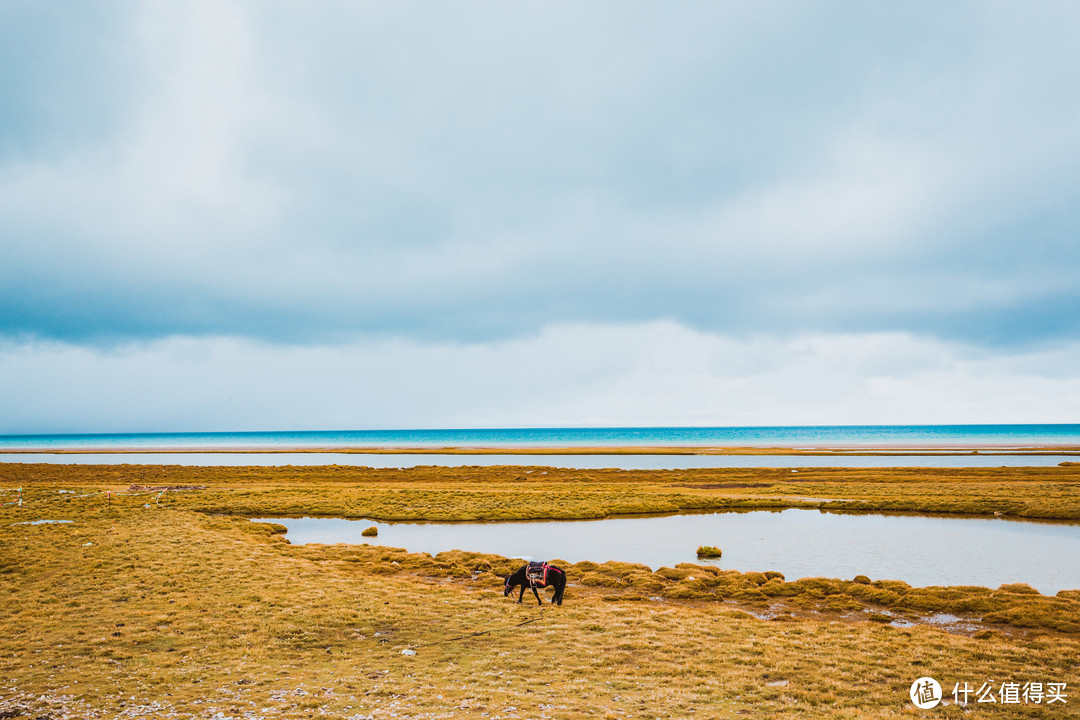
(241, 215)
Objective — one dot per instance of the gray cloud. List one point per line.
(568, 375)
(486, 170)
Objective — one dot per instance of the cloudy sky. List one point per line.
(342, 215)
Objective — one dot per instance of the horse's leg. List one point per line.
(538, 600)
(522, 593)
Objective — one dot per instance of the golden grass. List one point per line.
(128, 606)
(516, 493)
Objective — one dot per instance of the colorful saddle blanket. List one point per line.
(536, 573)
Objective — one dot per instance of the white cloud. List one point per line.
(650, 374)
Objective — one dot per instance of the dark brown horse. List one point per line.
(537, 575)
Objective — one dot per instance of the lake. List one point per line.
(1000, 435)
(799, 543)
(581, 462)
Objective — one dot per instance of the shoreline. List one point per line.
(839, 450)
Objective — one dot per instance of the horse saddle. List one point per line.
(536, 573)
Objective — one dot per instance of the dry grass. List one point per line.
(129, 606)
(516, 493)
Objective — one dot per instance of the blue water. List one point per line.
(794, 436)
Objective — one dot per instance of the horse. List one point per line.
(533, 575)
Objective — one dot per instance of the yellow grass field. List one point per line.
(173, 605)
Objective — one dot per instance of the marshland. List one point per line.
(173, 603)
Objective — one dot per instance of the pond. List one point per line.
(799, 543)
(579, 462)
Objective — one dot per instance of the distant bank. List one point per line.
(898, 438)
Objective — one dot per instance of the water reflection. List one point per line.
(799, 543)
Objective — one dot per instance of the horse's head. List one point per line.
(515, 578)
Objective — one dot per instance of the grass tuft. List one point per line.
(708, 551)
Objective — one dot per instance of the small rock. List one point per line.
(408, 651)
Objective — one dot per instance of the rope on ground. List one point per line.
(484, 632)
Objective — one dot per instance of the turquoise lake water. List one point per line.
(793, 436)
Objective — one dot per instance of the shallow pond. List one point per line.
(799, 543)
(581, 462)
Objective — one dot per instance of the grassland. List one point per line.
(186, 609)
